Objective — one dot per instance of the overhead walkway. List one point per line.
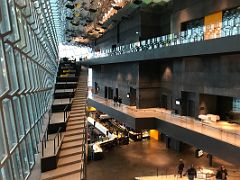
(72, 152)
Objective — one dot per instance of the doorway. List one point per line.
(132, 96)
(164, 101)
(116, 92)
(105, 92)
(191, 108)
(95, 87)
(110, 93)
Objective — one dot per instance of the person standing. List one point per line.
(221, 173)
(119, 101)
(191, 173)
(180, 167)
(115, 100)
(224, 173)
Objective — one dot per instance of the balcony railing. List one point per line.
(223, 131)
(229, 27)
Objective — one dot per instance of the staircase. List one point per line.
(72, 153)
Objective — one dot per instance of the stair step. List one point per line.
(69, 160)
(70, 128)
(73, 133)
(73, 123)
(79, 102)
(77, 106)
(73, 138)
(79, 97)
(70, 152)
(62, 171)
(73, 144)
(76, 115)
(75, 176)
(78, 118)
(77, 111)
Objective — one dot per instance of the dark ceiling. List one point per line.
(87, 20)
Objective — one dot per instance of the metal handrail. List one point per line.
(65, 113)
(58, 136)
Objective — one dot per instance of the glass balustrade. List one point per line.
(228, 27)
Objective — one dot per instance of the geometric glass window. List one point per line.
(3, 148)
(9, 123)
(3, 71)
(16, 164)
(18, 117)
(25, 163)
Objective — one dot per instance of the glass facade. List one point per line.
(28, 67)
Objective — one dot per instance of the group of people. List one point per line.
(191, 172)
(117, 101)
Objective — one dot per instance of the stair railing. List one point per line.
(66, 112)
(55, 143)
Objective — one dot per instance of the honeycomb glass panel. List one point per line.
(35, 117)
(35, 147)
(30, 74)
(11, 68)
(14, 35)
(20, 44)
(5, 25)
(3, 71)
(20, 3)
(6, 171)
(25, 113)
(18, 117)
(17, 166)
(9, 123)
(3, 149)
(20, 73)
(37, 133)
(30, 150)
(30, 111)
(25, 162)
(26, 75)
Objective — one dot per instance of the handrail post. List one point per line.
(45, 141)
(58, 138)
(54, 146)
(64, 116)
(42, 149)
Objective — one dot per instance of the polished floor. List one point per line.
(144, 159)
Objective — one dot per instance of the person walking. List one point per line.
(180, 167)
(115, 100)
(221, 173)
(119, 101)
(191, 173)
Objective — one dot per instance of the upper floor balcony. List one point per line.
(219, 138)
(219, 38)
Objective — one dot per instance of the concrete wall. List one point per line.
(155, 22)
(141, 24)
(123, 32)
(206, 75)
(155, 80)
(193, 9)
(121, 76)
(108, 39)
